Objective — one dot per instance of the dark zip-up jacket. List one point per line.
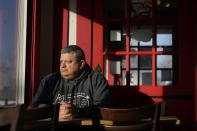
(87, 90)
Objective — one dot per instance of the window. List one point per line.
(139, 42)
(12, 54)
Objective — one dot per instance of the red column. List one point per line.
(84, 32)
(65, 27)
(97, 51)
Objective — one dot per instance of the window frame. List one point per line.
(21, 52)
(155, 22)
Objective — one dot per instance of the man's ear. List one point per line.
(82, 64)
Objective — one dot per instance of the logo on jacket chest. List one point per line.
(79, 99)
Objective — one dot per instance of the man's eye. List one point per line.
(69, 61)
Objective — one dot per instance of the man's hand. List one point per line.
(67, 111)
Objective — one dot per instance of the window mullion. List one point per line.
(127, 43)
(154, 43)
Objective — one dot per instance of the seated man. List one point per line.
(76, 87)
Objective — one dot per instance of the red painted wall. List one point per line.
(84, 30)
(97, 34)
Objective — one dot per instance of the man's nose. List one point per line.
(63, 64)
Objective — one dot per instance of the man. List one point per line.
(76, 87)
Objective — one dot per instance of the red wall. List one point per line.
(84, 30)
(97, 34)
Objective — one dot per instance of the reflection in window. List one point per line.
(164, 70)
(145, 77)
(141, 8)
(124, 62)
(123, 77)
(166, 8)
(145, 61)
(141, 35)
(164, 61)
(164, 37)
(164, 77)
(133, 61)
(133, 77)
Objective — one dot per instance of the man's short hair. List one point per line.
(74, 49)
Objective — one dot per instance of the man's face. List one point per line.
(70, 68)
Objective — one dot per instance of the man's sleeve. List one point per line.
(102, 95)
(42, 96)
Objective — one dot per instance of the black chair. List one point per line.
(10, 118)
(131, 119)
(40, 118)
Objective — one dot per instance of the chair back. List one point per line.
(41, 118)
(10, 117)
(131, 119)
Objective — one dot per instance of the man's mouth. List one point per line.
(64, 70)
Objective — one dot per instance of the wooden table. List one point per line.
(164, 120)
